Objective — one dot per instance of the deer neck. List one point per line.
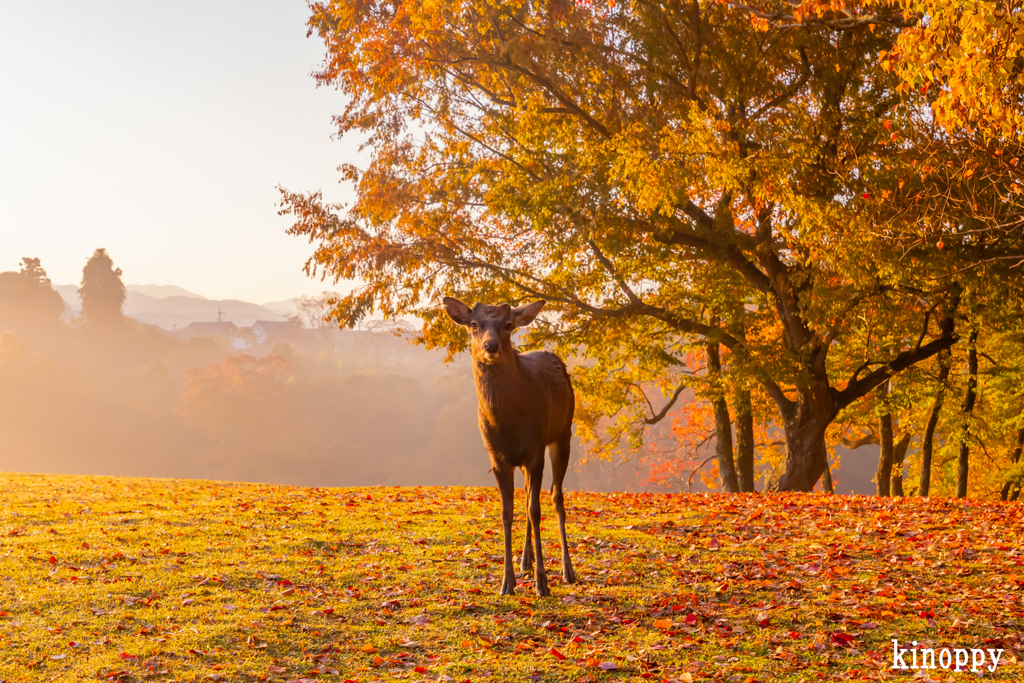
(496, 384)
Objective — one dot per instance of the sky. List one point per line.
(160, 132)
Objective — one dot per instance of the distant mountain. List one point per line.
(163, 291)
(70, 295)
(176, 311)
(286, 307)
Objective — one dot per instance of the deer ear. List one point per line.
(524, 315)
(456, 310)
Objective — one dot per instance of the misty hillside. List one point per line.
(171, 307)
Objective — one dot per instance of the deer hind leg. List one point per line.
(526, 563)
(533, 483)
(559, 465)
(506, 485)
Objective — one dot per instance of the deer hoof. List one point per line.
(568, 575)
(508, 587)
(526, 564)
(542, 587)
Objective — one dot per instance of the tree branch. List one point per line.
(856, 388)
(655, 418)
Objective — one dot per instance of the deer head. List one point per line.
(490, 327)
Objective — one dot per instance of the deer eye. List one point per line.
(508, 326)
(473, 326)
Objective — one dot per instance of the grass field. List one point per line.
(132, 579)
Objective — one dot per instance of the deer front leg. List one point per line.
(526, 563)
(533, 483)
(506, 485)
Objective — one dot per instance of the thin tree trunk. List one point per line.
(744, 441)
(899, 454)
(928, 440)
(883, 475)
(723, 426)
(1015, 458)
(826, 479)
(963, 463)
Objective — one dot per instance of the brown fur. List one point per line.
(526, 404)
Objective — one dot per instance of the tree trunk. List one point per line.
(933, 420)
(826, 479)
(804, 426)
(883, 475)
(744, 441)
(723, 426)
(963, 464)
(1015, 458)
(899, 455)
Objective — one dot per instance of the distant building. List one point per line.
(222, 330)
(213, 329)
(266, 329)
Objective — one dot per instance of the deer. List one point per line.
(525, 405)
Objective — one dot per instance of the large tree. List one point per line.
(663, 173)
(27, 297)
(102, 292)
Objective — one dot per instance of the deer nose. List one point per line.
(491, 346)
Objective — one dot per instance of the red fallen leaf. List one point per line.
(555, 653)
(691, 619)
(125, 655)
(84, 546)
(284, 582)
(53, 560)
(763, 620)
(842, 639)
(421, 670)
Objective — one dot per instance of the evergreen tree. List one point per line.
(102, 292)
